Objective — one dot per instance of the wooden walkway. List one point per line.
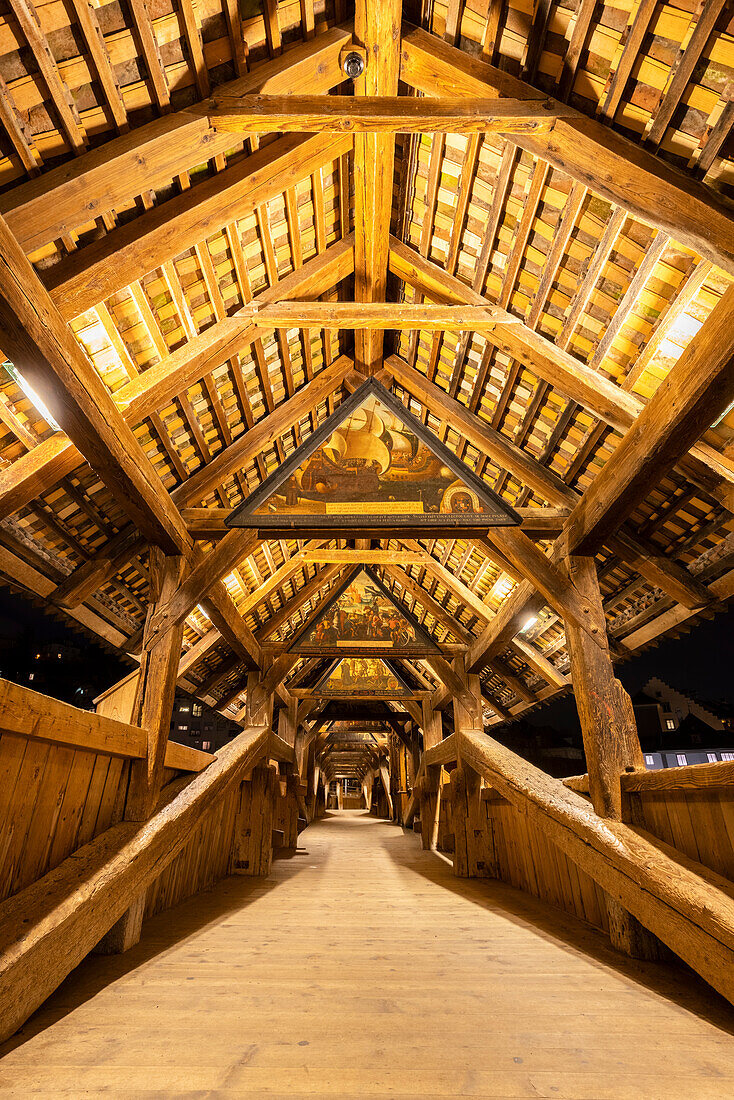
(362, 967)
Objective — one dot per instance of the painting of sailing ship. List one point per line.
(377, 466)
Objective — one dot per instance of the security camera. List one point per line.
(353, 65)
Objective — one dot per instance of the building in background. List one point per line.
(678, 729)
(195, 724)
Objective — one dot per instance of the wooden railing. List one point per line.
(681, 896)
(65, 775)
(48, 928)
(690, 777)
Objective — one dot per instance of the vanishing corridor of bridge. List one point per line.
(368, 373)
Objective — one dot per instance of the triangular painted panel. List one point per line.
(372, 464)
(361, 676)
(361, 616)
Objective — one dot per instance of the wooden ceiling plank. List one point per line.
(157, 387)
(538, 663)
(603, 398)
(430, 605)
(129, 252)
(301, 597)
(18, 131)
(627, 54)
(151, 52)
(481, 435)
(58, 90)
(192, 31)
(150, 156)
(699, 387)
(682, 71)
(604, 161)
(87, 17)
(247, 446)
(44, 349)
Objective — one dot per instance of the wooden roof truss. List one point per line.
(209, 238)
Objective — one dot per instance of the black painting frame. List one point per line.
(501, 514)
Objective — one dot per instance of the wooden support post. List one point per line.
(288, 722)
(156, 690)
(430, 794)
(259, 706)
(252, 847)
(152, 709)
(285, 818)
(432, 728)
(385, 777)
(430, 801)
(474, 851)
(377, 28)
(686, 905)
(611, 742)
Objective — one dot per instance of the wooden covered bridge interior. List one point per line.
(369, 375)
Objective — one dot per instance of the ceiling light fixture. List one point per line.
(31, 394)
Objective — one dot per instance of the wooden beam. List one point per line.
(548, 579)
(375, 315)
(73, 906)
(237, 545)
(210, 523)
(150, 156)
(54, 458)
(611, 744)
(496, 446)
(45, 351)
(697, 389)
(156, 687)
(583, 148)
(680, 901)
(221, 610)
(377, 30)
(265, 114)
(432, 606)
(365, 557)
(690, 777)
(601, 397)
(252, 442)
(125, 254)
(540, 664)
(307, 592)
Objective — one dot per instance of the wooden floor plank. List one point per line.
(363, 967)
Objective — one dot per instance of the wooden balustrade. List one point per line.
(689, 907)
(48, 928)
(690, 777)
(37, 717)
